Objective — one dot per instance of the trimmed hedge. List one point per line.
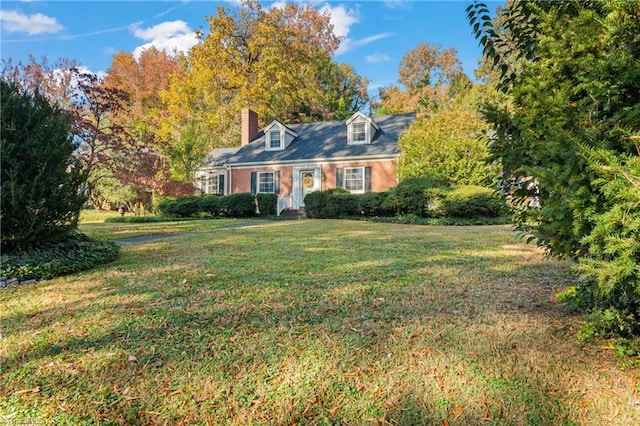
(211, 204)
(239, 205)
(376, 204)
(316, 202)
(472, 201)
(180, 207)
(340, 205)
(234, 205)
(267, 204)
(410, 196)
(143, 219)
(413, 198)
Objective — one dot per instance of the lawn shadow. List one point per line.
(367, 326)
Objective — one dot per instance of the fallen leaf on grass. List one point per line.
(457, 411)
(377, 302)
(33, 390)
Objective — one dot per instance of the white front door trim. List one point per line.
(298, 200)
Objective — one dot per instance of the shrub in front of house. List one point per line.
(180, 207)
(267, 204)
(472, 201)
(211, 204)
(410, 196)
(242, 204)
(316, 202)
(341, 205)
(376, 204)
(434, 201)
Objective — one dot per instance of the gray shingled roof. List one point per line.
(219, 157)
(325, 140)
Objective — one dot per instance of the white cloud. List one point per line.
(341, 18)
(163, 30)
(169, 36)
(349, 44)
(398, 4)
(14, 21)
(376, 58)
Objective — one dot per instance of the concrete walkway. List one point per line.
(153, 237)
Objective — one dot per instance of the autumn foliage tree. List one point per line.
(427, 74)
(276, 61)
(106, 147)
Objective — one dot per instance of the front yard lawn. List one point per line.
(310, 322)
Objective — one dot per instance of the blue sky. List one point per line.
(376, 34)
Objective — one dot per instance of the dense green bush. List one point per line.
(374, 204)
(435, 199)
(180, 207)
(472, 201)
(315, 203)
(74, 252)
(40, 178)
(242, 204)
(235, 205)
(211, 204)
(580, 146)
(267, 204)
(410, 196)
(342, 205)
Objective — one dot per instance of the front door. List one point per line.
(307, 184)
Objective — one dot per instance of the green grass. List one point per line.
(310, 322)
(113, 231)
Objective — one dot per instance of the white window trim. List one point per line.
(367, 137)
(268, 146)
(354, 191)
(203, 179)
(259, 182)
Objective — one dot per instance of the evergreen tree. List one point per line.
(568, 139)
(41, 179)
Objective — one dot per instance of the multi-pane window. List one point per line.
(211, 183)
(359, 133)
(354, 179)
(266, 182)
(275, 141)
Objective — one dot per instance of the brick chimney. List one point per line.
(249, 126)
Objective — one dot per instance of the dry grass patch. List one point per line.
(310, 322)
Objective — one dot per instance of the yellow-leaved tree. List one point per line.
(270, 60)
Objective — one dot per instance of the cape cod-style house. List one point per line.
(358, 154)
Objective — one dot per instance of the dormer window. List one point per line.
(275, 139)
(360, 129)
(359, 133)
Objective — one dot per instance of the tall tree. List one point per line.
(143, 80)
(427, 74)
(447, 144)
(267, 59)
(98, 111)
(571, 126)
